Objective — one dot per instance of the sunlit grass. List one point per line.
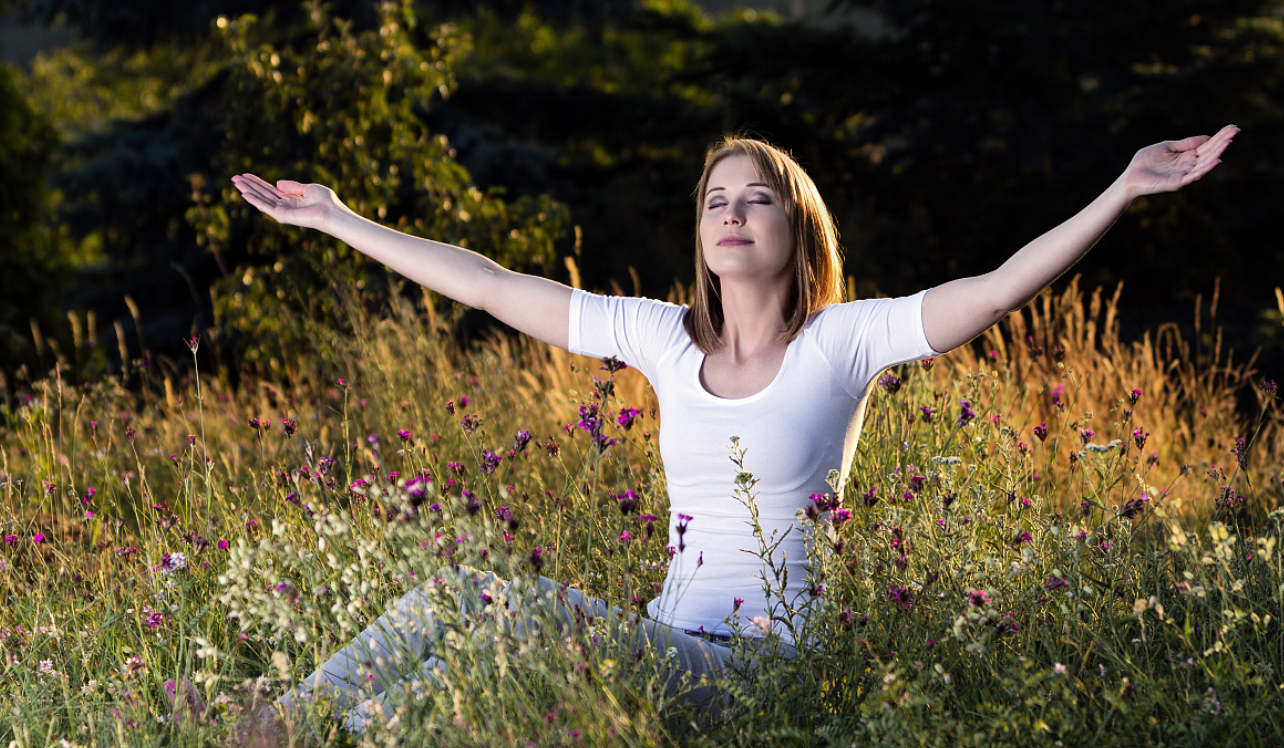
(1116, 581)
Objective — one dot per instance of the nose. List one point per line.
(734, 215)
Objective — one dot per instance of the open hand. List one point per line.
(1173, 164)
(292, 203)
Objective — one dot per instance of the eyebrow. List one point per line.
(751, 184)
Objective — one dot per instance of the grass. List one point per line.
(1115, 581)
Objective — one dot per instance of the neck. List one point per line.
(753, 315)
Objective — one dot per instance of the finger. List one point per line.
(1199, 171)
(256, 181)
(263, 192)
(290, 187)
(1218, 142)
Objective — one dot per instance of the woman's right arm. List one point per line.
(536, 306)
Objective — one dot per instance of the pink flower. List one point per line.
(38, 537)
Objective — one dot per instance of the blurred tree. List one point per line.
(33, 270)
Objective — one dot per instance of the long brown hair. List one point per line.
(818, 262)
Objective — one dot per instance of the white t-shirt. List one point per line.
(801, 426)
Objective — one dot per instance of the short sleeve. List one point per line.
(861, 338)
(636, 331)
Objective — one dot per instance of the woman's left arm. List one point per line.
(956, 312)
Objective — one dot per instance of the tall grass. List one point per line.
(1116, 581)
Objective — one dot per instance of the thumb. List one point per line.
(291, 187)
(1188, 144)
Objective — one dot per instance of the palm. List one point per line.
(288, 202)
(1171, 165)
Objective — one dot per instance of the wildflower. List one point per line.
(172, 562)
(1024, 537)
(625, 537)
(900, 595)
(463, 402)
(736, 603)
(1007, 624)
(1054, 583)
(289, 426)
(870, 498)
(1240, 450)
(407, 437)
(193, 343)
(1139, 438)
(10, 539)
(521, 440)
(1035, 351)
(917, 482)
(129, 433)
(537, 559)
(890, 382)
(472, 504)
(627, 416)
(977, 598)
(841, 516)
(191, 440)
(450, 407)
(551, 447)
(1059, 669)
(1268, 388)
(93, 428)
(1086, 434)
(133, 665)
(126, 552)
(762, 624)
(996, 419)
(38, 537)
(1133, 507)
(927, 413)
(926, 364)
(612, 364)
(650, 520)
(1134, 396)
(965, 413)
(489, 463)
(628, 502)
(222, 545)
(470, 423)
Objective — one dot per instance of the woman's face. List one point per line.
(744, 230)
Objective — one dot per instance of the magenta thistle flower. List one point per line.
(965, 413)
(470, 423)
(736, 603)
(1134, 396)
(649, 520)
(1139, 437)
(10, 539)
(222, 545)
(870, 497)
(841, 516)
(1085, 435)
(489, 462)
(193, 343)
(520, 441)
(38, 537)
(926, 363)
(450, 407)
(1240, 450)
(289, 426)
(927, 413)
(407, 437)
(977, 598)
(612, 364)
(1269, 388)
(629, 502)
(463, 402)
(536, 559)
(1041, 431)
(900, 596)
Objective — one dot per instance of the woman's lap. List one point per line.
(397, 649)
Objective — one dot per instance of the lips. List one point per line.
(734, 240)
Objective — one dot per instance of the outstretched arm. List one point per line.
(536, 306)
(956, 312)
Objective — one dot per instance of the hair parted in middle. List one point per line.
(818, 262)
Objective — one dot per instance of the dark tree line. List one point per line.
(942, 143)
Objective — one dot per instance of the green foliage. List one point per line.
(33, 270)
(344, 108)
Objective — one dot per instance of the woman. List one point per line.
(766, 353)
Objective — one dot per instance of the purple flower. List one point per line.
(629, 502)
(927, 413)
(890, 382)
(901, 596)
(977, 598)
(1268, 388)
(841, 516)
(1139, 437)
(870, 497)
(537, 559)
(38, 537)
(407, 437)
(1240, 450)
(490, 461)
(521, 440)
(965, 413)
(10, 539)
(1041, 431)
(1085, 435)
(1134, 396)
(222, 545)
(612, 364)
(627, 416)
(926, 363)
(470, 423)
(290, 427)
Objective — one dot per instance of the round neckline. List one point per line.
(784, 361)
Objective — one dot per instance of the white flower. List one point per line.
(172, 562)
(762, 624)
(1059, 669)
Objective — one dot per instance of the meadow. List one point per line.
(1052, 537)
